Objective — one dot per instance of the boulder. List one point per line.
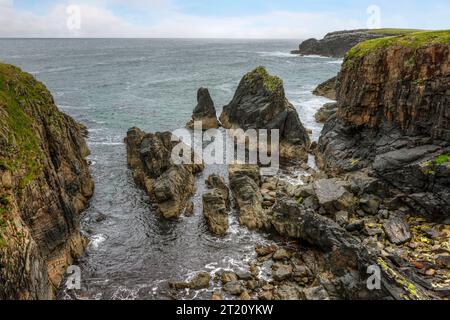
(316, 293)
(260, 103)
(325, 112)
(200, 281)
(327, 89)
(397, 230)
(234, 288)
(204, 112)
(168, 185)
(282, 272)
(333, 196)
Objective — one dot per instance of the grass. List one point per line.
(412, 40)
(20, 94)
(271, 83)
(394, 31)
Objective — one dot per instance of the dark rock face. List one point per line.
(245, 185)
(260, 103)
(168, 185)
(327, 89)
(205, 111)
(393, 118)
(346, 257)
(336, 44)
(397, 230)
(45, 184)
(216, 205)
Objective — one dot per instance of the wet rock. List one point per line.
(326, 89)
(265, 295)
(325, 112)
(234, 288)
(281, 254)
(397, 230)
(217, 296)
(252, 285)
(282, 272)
(244, 275)
(216, 206)
(316, 293)
(333, 196)
(228, 276)
(245, 296)
(200, 281)
(204, 112)
(260, 103)
(265, 250)
(248, 198)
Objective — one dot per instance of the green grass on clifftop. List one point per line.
(20, 150)
(412, 40)
(394, 31)
(271, 83)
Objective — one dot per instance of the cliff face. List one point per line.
(393, 116)
(44, 185)
(336, 44)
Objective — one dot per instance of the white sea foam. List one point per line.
(279, 54)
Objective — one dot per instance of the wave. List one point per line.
(279, 54)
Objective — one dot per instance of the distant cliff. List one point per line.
(337, 44)
(44, 185)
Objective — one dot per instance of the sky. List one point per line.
(275, 19)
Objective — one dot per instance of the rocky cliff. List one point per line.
(393, 117)
(44, 185)
(337, 44)
(260, 103)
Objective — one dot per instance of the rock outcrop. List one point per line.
(44, 186)
(216, 205)
(168, 185)
(245, 184)
(204, 112)
(393, 118)
(327, 89)
(260, 103)
(326, 112)
(337, 44)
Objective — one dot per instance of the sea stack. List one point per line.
(204, 112)
(45, 184)
(260, 103)
(168, 185)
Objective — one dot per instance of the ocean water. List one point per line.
(112, 85)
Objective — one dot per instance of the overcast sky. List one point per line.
(296, 19)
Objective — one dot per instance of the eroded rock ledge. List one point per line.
(168, 185)
(44, 185)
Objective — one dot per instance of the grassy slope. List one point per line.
(412, 39)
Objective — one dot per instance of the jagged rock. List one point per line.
(357, 225)
(168, 185)
(245, 296)
(369, 204)
(45, 184)
(200, 281)
(260, 103)
(228, 276)
(287, 292)
(341, 217)
(333, 196)
(265, 295)
(342, 251)
(204, 112)
(216, 205)
(248, 196)
(324, 113)
(216, 296)
(265, 250)
(336, 44)
(397, 230)
(327, 89)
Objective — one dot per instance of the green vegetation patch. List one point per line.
(271, 83)
(412, 40)
(394, 31)
(20, 150)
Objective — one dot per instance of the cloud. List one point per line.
(98, 21)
